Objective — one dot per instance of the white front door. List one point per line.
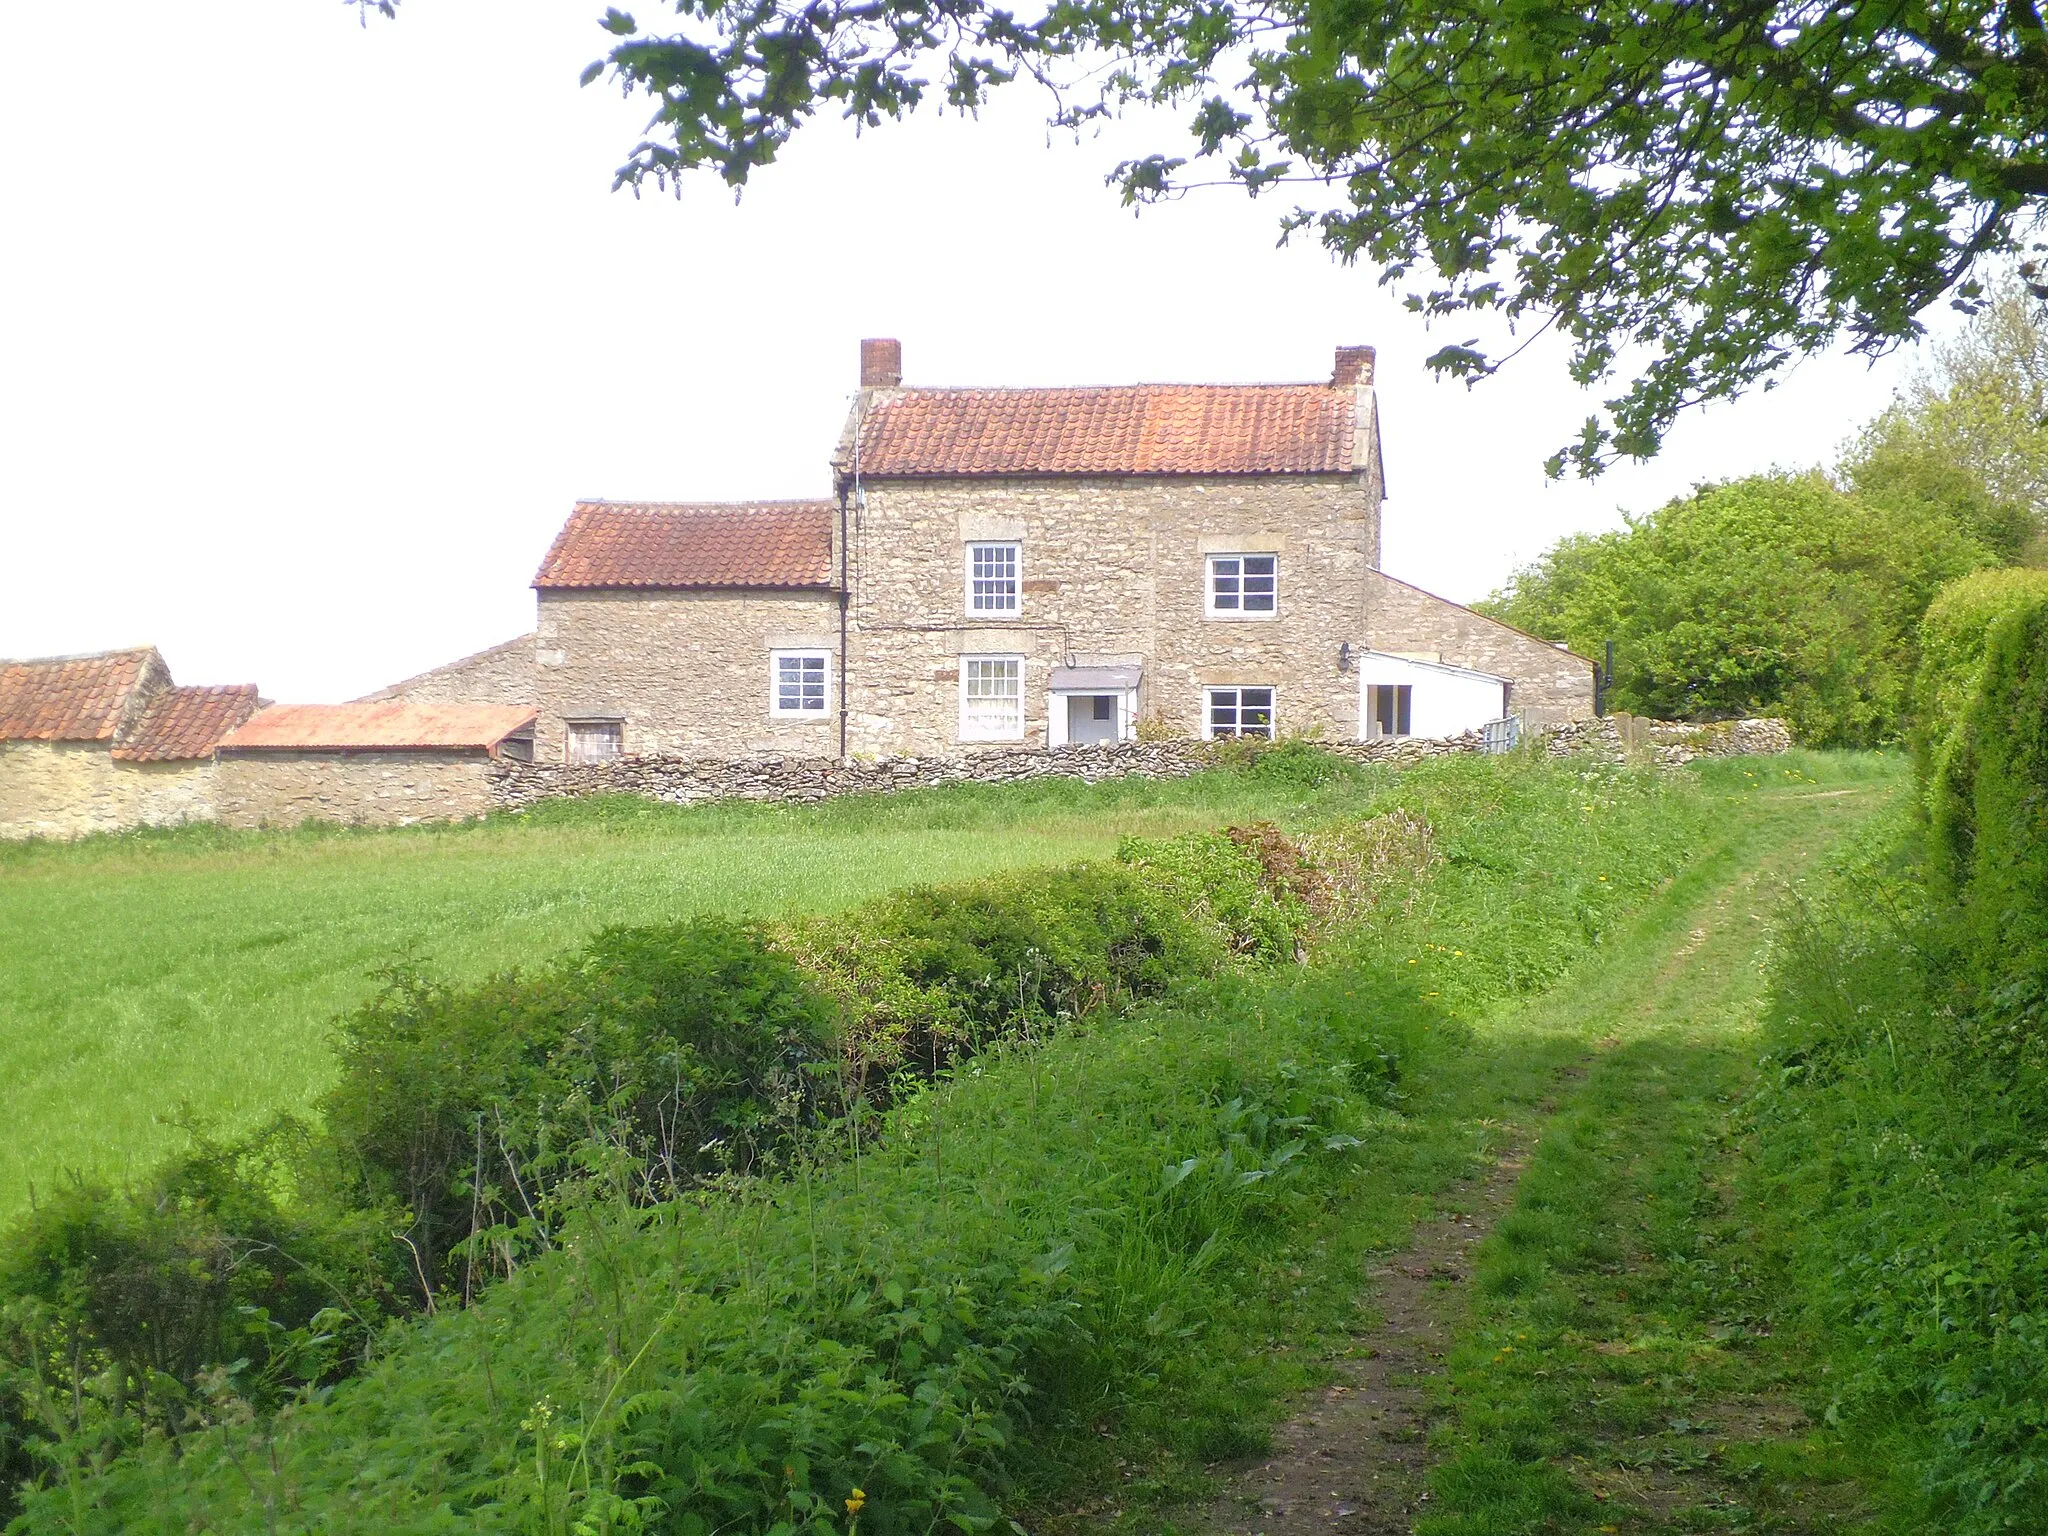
(1091, 717)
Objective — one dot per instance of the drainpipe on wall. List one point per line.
(845, 594)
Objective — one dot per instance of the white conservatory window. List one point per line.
(991, 698)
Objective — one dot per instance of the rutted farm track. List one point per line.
(1579, 1337)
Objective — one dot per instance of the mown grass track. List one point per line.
(1621, 1357)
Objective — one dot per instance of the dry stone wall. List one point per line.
(683, 781)
(1670, 742)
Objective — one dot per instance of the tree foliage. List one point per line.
(1978, 414)
(1777, 594)
(1693, 192)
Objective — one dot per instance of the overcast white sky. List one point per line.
(311, 333)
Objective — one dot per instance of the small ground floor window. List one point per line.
(1387, 708)
(991, 698)
(797, 684)
(596, 741)
(1239, 712)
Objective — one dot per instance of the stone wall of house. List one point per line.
(1407, 620)
(72, 788)
(360, 788)
(1113, 570)
(504, 674)
(686, 671)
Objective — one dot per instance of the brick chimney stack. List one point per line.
(1354, 367)
(881, 363)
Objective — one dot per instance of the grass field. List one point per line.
(1577, 980)
(145, 975)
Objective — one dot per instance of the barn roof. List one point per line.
(186, 723)
(72, 698)
(384, 727)
(692, 544)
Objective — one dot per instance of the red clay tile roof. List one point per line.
(379, 727)
(70, 698)
(1136, 429)
(692, 544)
(185, 723)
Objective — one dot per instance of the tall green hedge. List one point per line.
(1952, 637)
(1989, 810)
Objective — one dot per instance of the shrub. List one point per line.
(1774, 594)
(931, 974)
(127, 1310)
(677, 1045)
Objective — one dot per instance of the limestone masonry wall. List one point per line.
(504, 674)
(1113, 569)
(70, 788)
(1405, 619)
(686, 671)
(377, 789)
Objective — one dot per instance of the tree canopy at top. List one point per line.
(1693, 192)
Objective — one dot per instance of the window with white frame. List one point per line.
(993, 584)
(991, 698)
(1244, 586)
(1238, 712)
(797, 684)
(596, 741)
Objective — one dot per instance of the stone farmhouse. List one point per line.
(1004, 567)
(993, 569)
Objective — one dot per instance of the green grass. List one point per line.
(148, 974)
(1078, 1307)
(1632, 1358)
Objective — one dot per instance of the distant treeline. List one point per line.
(1801, 594)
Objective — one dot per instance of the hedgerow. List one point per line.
(1904, 1116)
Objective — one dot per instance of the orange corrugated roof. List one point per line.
(185, 723)
(1135, 429)
(392, 727)
(70, 698)
(692, 544)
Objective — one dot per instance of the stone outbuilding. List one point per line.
(106, 742)
(376, 764)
